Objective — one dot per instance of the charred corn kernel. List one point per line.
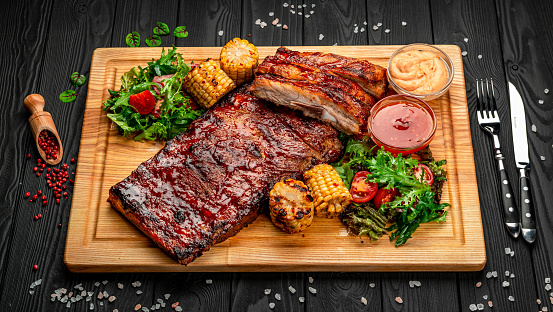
(330, 195)
(239, 60)
(207, 83)
(291, 206)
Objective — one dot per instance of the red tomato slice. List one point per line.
(143, 102)
(384, 196)
(361, 190)
(428, 175)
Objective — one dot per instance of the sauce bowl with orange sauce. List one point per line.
(402, 124)
(420, 70)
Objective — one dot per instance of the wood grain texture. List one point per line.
(103, 161)
(272, 35)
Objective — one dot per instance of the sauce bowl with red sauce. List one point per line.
(402, 124)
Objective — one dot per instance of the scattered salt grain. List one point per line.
(417, 283)
(473, 307)
(92, 306)
(362, 29)
(100, 296)
(285, 5)
(321, 36)
(312, 290)
(464, 53)
(301, 299)
(300, 13)
(507, 273)
(403, 23)
(466, 39)
(538, 301)
(399, 300)
(480, 307)
(544, 309)
(534, 128)
(364, 300)
(365, 23)
(540, 101)
(284, 26)
(512, 253)
(505, 284)
(96, 284)
(494, 273)
(542, 157)
(220, 33)
(311, 12)
(548, 287)
(292, 11)
(178, 309)
(90, 293)
(88, 299)
(372, 285)
(208, 281)
(356, 30)
(31, 292)
(83, 293)
(105, 282)
(511, 298)
(512, 275)
(258, 21)
(304, 5)
(267, 291)
(271, 13)
(490, 304)
(480, 56)
(387, 31)
(166, 296)
(120, 286)
(489, 275)
(277, 296)
(485, 297)
(275, 21)
(111, 299)
(479, 283)
(292, 6)
(548, 280)
(272, 305)
(375, 27)
(507, 250)
(139, 292)
(263, 24)
(78, 286)
(307, 15)
(292, 289)
(313, 5)
(310, 279)
(379, 24)
(546, 91)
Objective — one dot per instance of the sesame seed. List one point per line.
(220, 33)
(387, 31)
(534, 128)
(312, 290)
(511, 298)
(480, 56)
(310, 279)
(272, 305)
(364, 300)
(540, 101)
(473, 307)
(267, 291)
(301, 299)
(321, 36)
(292, 289)
(399, 300)
(277, 296)
(208, 281)
(480, 307)
(403, 23)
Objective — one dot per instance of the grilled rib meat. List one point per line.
(372, 78)
(275, 66)
(335, 106)
(206, 184)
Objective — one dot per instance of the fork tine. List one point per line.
(494, 104)
(479, 100)
(489, 101)
(484, 100)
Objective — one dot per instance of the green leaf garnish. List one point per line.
(153, 41)
(180, 32)
(133, 39)
(68, 96)
(77, 79)
(161, 29)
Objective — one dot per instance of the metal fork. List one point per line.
(488, 119)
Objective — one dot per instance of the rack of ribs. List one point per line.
(208, 183)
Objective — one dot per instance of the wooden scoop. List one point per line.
(41, 120)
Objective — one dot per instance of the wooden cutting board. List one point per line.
(99, 239)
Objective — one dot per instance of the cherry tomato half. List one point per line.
(143, 102)
(361, 190)
(384, 196)
(428, 175)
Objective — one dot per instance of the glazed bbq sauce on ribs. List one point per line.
(208, 183)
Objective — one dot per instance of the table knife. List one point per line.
(520, 143)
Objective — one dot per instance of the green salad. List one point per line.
(150, 103)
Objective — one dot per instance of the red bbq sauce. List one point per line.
(402, 124)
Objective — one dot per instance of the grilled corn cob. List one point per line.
(239, 60)
(330, 195)
(207, 83)
(291, 206)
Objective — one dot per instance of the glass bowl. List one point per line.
(427, 48)
(402, 124)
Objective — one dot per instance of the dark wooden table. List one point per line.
(44, 41)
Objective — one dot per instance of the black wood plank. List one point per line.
(272, 34)
(477, 21)
(21, 49)
(526, 45)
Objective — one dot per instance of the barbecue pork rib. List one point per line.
(372, 78)
(317, 100)
(208, 183)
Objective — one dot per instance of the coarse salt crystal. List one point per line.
(490, 304)
(104, 282)
(464, 53)
(364, 300)
(356, 30)
(263, 24)
(538, 301)
(100, 295)
(292, 289)
(304, 5)
(399, 300)
(292, 6)
(258, 21)
(285, 5)
(220, 33)
(544, 309)
(272, 305)
(31, 292)
(507, 273)
(277, 296)
(379, 24)
(311, 12)
(387, 31)
(485, 297)
(489, 275)
(540, 101)
(548, 280)
(267, 291)
(275, 21)
(546, 91)
(271, 13)
(411, 284)
(208, 281)
(321, 36)
(403, 23)
(479, 56)
(292, 11)
(312, 290)
(91, 306)
(542, 157)
(300, 13)
(507, 250)
(355, 25)
(480, 307)
(479, 283)
(512, 253)
(494, 273)
(417, 283)
(138, 283)
(466, 39)
(166, 296)
(139, 292)
(313, 5)
(178, 309)
(279, 25)
(505, 284)
(310, 279)
(284, 26)
(534, 128)
(365, 23)
(548, 287)
(307, 15)
(96, 284)
(301, 299)
(372, 285)
(120, 286)
(473, 307)
(362, 29)
(511, 298)
(375, 27)
(512, 275)
(111, 298)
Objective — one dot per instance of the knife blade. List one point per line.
(520, 143)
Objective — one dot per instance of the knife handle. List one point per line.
(528, 220)
(510, 216)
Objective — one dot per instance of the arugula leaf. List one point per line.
(68, 96)
(133, 39)
(77, 79)
(180, 32)
(153, 41)
(128, 79)
(161, 29)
